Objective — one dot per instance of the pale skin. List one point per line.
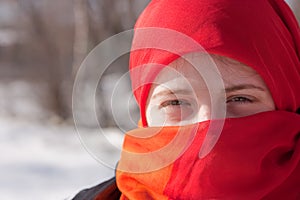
(180, 96)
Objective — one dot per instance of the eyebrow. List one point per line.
(172, 92)
(243, 87)
(227, 90)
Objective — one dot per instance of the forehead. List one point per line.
(231, 71)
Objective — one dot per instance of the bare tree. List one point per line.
(81, 33)
(53, 65)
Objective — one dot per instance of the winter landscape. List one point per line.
(46, 161)
(43, 155)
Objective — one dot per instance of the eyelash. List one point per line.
(239, 99)
(233, 99)
(174, 102)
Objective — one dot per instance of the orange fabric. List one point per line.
(134, 185)
(256, 157)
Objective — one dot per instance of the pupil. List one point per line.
(238, 99)
(175, 102)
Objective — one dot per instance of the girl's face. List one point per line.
(180, 96)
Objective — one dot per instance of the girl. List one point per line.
(217, 82)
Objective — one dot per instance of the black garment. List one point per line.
(107, 190)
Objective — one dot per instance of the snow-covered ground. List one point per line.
(47, 161)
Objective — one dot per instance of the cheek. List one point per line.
(235, 111)
(154, 116)
(172, 115)
(240, 111)
(178, 113)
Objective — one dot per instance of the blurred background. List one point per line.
(42, 44)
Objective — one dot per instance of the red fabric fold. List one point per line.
(241, 166)
(256, 157)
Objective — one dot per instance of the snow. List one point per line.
(48, 161)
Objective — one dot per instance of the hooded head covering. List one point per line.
(256, 157)
(263, 34)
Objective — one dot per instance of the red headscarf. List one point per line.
(262, 34)
(256, 157)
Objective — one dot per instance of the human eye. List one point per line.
(240, 99)
(177, 110)
(241, 105)
(174, 102)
